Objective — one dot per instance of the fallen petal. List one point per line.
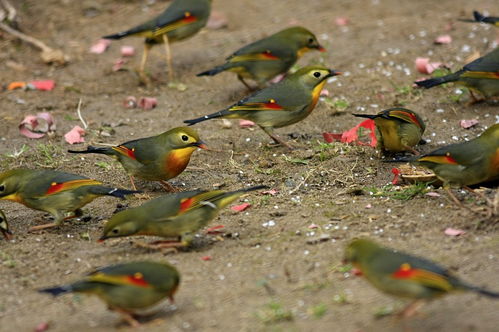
(324, 93)
(119, 63)
(44, 85)
(313, 226)
(396, 174)
(42, 327)
(421, 64)
(241, 207)
(468, 123)
(48, 118)
(75, 135)
(226, 124)
(130, 102)
(430, 67)
(330, 137)
(453, 232)
(147, 103)
(16, 85)
(341, 21)
(127, 51)
(443, 39)
(28, 125)
(217, 20)
(100, 47)
(271, 192)
(206, 258)
(246, 124)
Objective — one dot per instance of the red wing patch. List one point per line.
(186, 203)
(136, 279)
(58, 187)
(424, 277)
(271, 105)
(447, 159)
(406, 116)
(130, 153)
(188, 18)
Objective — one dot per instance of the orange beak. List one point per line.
(321, 49)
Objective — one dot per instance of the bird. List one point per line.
(479, 18)
(268, 57)
(281, 104)
(181, 20)
(480, 75)
(177, 215)
(157, 158)
(126, 288)
(403, 275)
(4, 226)
(397, 129)
(55, 192)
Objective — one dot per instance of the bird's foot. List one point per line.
(168, 187)
(411, 310)
(128, 317)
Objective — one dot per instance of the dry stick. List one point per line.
(26, 38)
(12, 11)
(78, 111)
(304, 180)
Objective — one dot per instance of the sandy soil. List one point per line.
(258, 278)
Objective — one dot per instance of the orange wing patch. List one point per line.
(130, 153)
(186, 203)
(481, 74)
(427, 278)
(271, 105)
(58, 187)
(263, 56)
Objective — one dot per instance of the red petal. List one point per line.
(330, 137)
(147, 103)
(240, 208)
(396, 174)
(206, 258)
(44, 85)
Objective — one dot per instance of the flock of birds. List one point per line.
(129, 287)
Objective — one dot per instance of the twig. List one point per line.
(12, 11)
(78, 111)
(303, 182)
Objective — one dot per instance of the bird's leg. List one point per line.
(168, 187)
(133, 183)
(473, 100)
(127, 317)
(145, 54)
(489, 209)
(276, 138)
(240, 78)
(59, 219)
(411, 309)
(168, 57)
(453, 197)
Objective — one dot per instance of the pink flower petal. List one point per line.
(44, 85)
(432, 194)
(396, 174)
(241, 207)
(454, 232)
(147, 103)
(42, 327)
(341, 21)
(421, 64)
(468, 123)
(206, 258)
(130, 102)
(75, 135)
(443, 39)
(313, 226)
(217, 20)
(100, 47)
(127, 51)
(28, 125)
(48, 118)
(246, 124)
(119, 63)
(324, 93)
(271, 192)
(430, 68)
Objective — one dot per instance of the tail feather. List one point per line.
(213, 71)
(369, 116)
(56, 291)
(120, 193)
(400, 160)
(480, 290)
(478, 17)
(430, 83)
(254, 188)
(93, 149)
(118, 35)
(206, 117)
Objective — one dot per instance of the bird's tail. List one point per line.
(402, 159)
(228, 197)
(478, 17)
(206, 117)
(430, 83)
(56, 291)
(93, 149)
(118, 35)
(213, 71)
(369, 116)
(480, 290)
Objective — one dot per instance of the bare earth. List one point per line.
(258, 278)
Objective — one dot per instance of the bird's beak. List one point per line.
(201, 145)
(321, 49)
(102, 239)
(333, 72)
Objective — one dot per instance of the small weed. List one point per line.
(383, 312)
(16, 154)
(295, 160)
(274, 312)
(49, 155)
(103, 165)
(341, 298)
(402, 193)
(338, 105)
(318, 311)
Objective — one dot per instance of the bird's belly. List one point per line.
(489, 87)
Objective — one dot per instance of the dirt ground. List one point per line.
(260, 277)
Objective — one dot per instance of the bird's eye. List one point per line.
(317, 74)
(2, 187)
(115, 231)
(185, 138)
(311, 40)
